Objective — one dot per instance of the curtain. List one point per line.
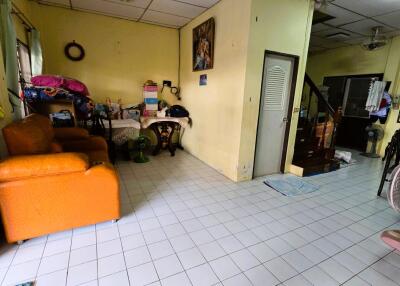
(24, 62)
(8, 41)
(36, 53)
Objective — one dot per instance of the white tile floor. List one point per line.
(185, 224)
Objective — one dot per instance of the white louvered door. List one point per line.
(272, 122)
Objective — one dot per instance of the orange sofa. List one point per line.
(54, 180)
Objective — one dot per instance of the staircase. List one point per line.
(316, 131)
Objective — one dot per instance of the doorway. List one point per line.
(276, 104)
(351, 93)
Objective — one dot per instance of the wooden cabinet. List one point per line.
(47, 107)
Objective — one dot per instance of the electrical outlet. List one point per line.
(167, 83)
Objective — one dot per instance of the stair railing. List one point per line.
(331, 115)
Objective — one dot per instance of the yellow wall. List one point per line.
(216, 109)
(350, 60)
(355, 60)
(120, 55)
(25, 7)
(225, 112)
(392, 73)
(274, 32)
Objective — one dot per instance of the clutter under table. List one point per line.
(164, 129)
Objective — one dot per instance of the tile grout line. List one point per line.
(123, 256)
(362, 217)
(41, 257)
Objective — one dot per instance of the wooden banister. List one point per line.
(315, 141)
(319, 95)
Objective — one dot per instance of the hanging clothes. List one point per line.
(375, 96)
(384, 108)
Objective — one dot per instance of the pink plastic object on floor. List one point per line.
(392, 238)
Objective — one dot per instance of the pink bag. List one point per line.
(74, 85)
(48, 80)
(69, 84)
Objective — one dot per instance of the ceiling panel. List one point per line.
(63, 3)
(201, 3)
(356, 41)
(370, 7)
(326, 43)
(357, 18)
(320, 27)
(364, 27)
(169, 13)
(135, 3)
(392, 19)
(332, 31)
(109, 8)
(176, 8)
(349, 14)
(164, 19)
(342, 16)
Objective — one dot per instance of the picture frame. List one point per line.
(203, 80)
(203, 45)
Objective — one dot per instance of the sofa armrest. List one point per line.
(70, 133)
(92, 143)
(22, 167)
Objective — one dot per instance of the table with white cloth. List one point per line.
(164, 129)
(123, 130)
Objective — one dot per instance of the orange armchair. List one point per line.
(44, 189)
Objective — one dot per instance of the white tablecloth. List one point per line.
(124, 129)
(122, 123)
(145, 122)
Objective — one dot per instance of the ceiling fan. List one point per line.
(376, 41)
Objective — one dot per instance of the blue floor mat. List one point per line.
(291, 186)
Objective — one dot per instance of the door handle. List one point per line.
(285, 119)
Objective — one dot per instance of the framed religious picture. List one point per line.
(203, 46)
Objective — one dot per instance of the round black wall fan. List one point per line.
(74, 51)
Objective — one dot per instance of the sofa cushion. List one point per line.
(97, 156)
(70, 133)
(43, 123)
(22, 167)
(32, 135)
(56, 147)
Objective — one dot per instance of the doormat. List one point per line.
(291, 186)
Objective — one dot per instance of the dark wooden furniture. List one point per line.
(164, 131)
(95, 125)
(47, 107)
(314, 150)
